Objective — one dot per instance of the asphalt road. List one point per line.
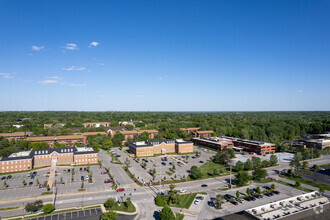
(143, 196)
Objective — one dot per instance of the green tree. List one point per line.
(265, 163)
(237, 194)
(31, 207)
(24, 182)
(160, 201)
(258, 190)
(248, 165)
(273, 160)
(321, 189)
(48, 208)
(109, 215)
(128, 203)
(222, 157)
(218, 201)
(242, 178)
(272, 187)
(256, 161)
(117, 139)
(166, 213)
(231, 153)
(48, 187)
(297, 184)
(248, 191)
(107, 144)
(110, 203)
(239, 166)
(195, 172)
(259, 174)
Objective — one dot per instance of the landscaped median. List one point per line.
(307, 182)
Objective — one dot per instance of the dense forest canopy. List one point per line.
(274, 127)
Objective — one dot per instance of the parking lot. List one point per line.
(89, 214)
(182, 164)
(15, 188)
(282, 157)
(229, 208)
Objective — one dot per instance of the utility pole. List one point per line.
(230, 175)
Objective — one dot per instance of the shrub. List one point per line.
(159, 200)
(48, 208)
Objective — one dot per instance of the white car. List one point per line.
(196, 202)
(87, 177)
(183, 190)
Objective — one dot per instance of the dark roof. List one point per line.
(37, 152)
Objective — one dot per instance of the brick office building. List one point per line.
(258, 147)
(218, 143)
(68, 140)
(26, 160)
(151, 147)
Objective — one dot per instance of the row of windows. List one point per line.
(13, 167)
(12, 162)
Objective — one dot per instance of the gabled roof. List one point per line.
(53, 138)
(16, 134)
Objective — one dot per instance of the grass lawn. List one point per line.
(185, 200)
(307, 182)
(293, 186)
(208, 169)
(123, 208)
(179, 216)
(9, 208)
(324, 165)
(262, 181)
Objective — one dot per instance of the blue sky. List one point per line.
(165, 55)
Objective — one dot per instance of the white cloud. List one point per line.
(30, 54)
(75, 68)
(71, 47)
(102, 96)
(299, 91)
(54, 77)
(139, 96)
(94, 44)
(160, 78)
(47, 82)
(37, 48)
(6, 75)
(73, 85)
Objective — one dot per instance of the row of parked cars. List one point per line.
(252, 197)
(6, 177)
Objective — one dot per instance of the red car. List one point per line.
(234, 203)
(107, 181)
(120, 190)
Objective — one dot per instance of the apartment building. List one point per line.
(190, 130)
(96, 124)
(133, 133)
(16, 136)
(26, 160)
(204, 134)
(152, 147)
(94, 133)
(258, 147)
(113, 129)
(68, 140)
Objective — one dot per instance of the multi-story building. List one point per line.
(96, 124)
(190, 130)
(95, 133)
(68, 140)
(217, 143)
(317, 143)
(204, 134)
(113, 129)
(15, 136)
(258, 147)
(133, 133)
(151, 147)
(26, 160)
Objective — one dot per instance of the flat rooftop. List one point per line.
(84, 149)
(285, 208)
(20, 154)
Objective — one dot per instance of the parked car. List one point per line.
(30, 183)
(85, 169)
(170, 163)
(29, 174)
(276, 192)
(3, 178)
(269, 194)
(183, 190)
(104, 172)
(9, 177)
(240, 200)
(68, 170)
(234, 202)
(204, 185)
(193, 157)
(82, 178)
(201, 161)
(196, 202)
(40, 185)
(120, 190)
(64, 171)
(107, 181)
(163, 163)
(87, 177)
(259, 196)
(210, 203)
(200, 197)
(32, 177)
(80, 169)
(165, 158)
(266, 187)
